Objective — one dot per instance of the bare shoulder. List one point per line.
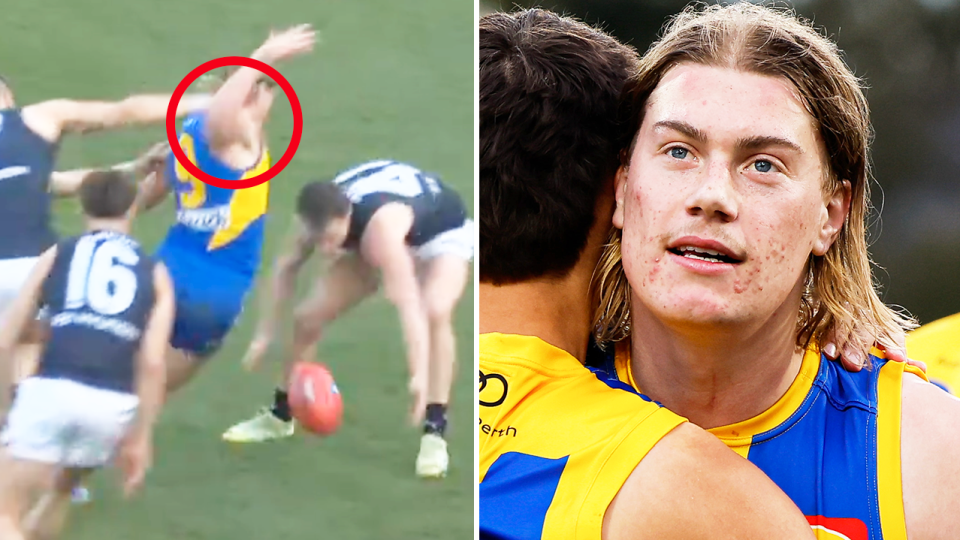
(692, 486)
(392, 216)
(43, 118)
(930, 443)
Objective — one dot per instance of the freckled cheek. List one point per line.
(781, 254)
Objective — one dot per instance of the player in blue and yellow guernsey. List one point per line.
(566, 452)
(741, 245)
(938, 345)
(213, 251)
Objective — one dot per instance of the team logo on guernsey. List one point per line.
(497, 391)
(838, 528)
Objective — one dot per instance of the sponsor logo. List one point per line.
(838, 528)
(117, 327)
(205, 219)
(497, 391)
(488, 429)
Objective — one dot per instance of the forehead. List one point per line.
(729, 102)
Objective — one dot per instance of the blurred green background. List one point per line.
(908, 53)
(389, 80)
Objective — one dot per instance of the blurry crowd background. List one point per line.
(908, 53)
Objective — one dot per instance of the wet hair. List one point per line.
(320, 202)
(107, 194)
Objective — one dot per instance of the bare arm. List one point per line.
(691, 487)
(51, 119)
(152, 191)
(384, 246)
(151, 167)
(300, 246)
(23, 310)
(66, 183)
(224, 126)
(930, 442)
(151, 361)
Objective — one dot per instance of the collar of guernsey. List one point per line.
(557, 440)
(831, 442)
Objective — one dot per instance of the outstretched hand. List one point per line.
(286, 44)
(135, 459)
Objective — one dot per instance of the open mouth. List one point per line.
(703, 254)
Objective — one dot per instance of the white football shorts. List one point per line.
(62, 422)
(458, 242)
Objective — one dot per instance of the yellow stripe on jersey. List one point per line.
(539, 404)
(889, 477)
(938, 345)
(198, 190)
(246, 206)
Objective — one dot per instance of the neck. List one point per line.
(121, 225)
(559, 314)
(557, 310)
(719, 375)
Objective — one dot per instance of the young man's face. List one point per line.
(723, 200)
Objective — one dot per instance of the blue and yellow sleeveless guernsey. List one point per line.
(214, 249)
(557, 440)
(938, 345)
(831, 442)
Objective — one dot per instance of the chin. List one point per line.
(695, 305)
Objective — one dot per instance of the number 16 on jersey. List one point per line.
(101, 277)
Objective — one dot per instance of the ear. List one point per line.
(620, 185)
(836, 209)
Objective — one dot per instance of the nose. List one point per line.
(715, 195)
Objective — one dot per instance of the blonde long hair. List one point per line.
(840, 292)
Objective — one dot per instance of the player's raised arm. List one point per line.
(151, 381)
(690, 486)
(23, 310)
(51, 119)
(384, 245)
(298, 248)
(224, 126)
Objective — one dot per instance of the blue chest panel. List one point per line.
(825, 455)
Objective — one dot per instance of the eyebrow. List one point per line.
(744, 143)
(683, 128)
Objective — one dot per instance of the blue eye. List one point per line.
(762, 165)
(678, 153)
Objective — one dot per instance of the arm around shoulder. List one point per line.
(690, 486)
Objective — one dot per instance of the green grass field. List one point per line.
(390, 80)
